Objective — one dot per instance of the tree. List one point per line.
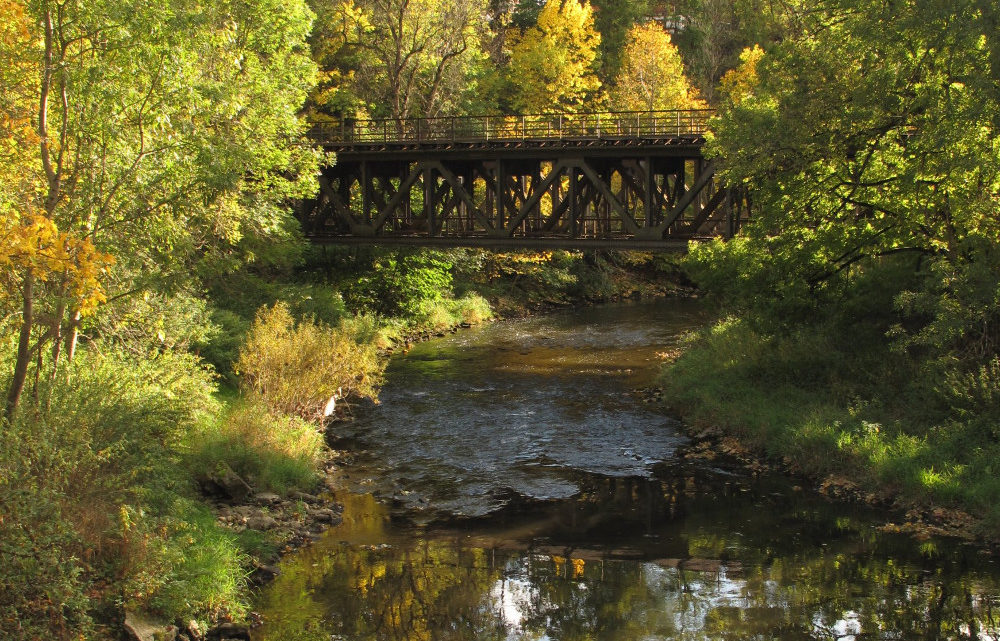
(33, 251)
(163, 134)
(552, 65)
(337, 35)
(614, 19)
(739, 84)
(420, 55)
(711, 33)
(652, 73)
(869, 135)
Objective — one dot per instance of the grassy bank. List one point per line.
(833, 399)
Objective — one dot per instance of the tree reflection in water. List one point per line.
(540, 577)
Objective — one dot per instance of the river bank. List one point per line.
(709, 445)
(271, 523)
(789, 404)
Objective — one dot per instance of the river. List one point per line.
(512, 484)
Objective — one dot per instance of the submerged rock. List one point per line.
(228, 631)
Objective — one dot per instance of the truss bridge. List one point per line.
(598, 180)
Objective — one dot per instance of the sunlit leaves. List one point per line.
(552, 65)
(652, 74)
(37, 244)
(162, 133)
(869, 134)
(398, 58)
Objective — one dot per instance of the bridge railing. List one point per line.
(631, 124)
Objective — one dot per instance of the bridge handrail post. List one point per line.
(486, 128)
(524, 133)
(678, 123)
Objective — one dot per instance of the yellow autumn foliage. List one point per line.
(652, 74)
(35, 243)
(738, 84)
(553, 63)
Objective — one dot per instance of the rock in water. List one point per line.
(228, 631)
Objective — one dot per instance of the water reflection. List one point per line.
(523, 495)
(539, 576)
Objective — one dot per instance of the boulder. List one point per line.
(326, 515)
(267, 498)
(139, 627)
(224, 483)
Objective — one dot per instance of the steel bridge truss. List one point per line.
(585, 180)
(569, 201)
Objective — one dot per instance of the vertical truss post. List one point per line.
(366, 194)
(650, 201)
(501, 200)
(429, 199)
(574, 209)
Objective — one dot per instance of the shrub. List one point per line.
(400, 283)
(42, 590)
(298, 368)
(442, 314)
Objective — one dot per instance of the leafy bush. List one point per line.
(42, 587)
(442, 314)
(400, 283)
(238, 296)
(296, 368)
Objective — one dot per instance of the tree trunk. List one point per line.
(72, 337)
(56, 330)
(23, 346)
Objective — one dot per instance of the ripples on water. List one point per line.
(510, 487)
(508, 408)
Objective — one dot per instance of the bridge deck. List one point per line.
(597, 180)
(485, 131)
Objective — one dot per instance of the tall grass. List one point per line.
(270, 451)
(96, 508)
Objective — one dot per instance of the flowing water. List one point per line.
(511, 485)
